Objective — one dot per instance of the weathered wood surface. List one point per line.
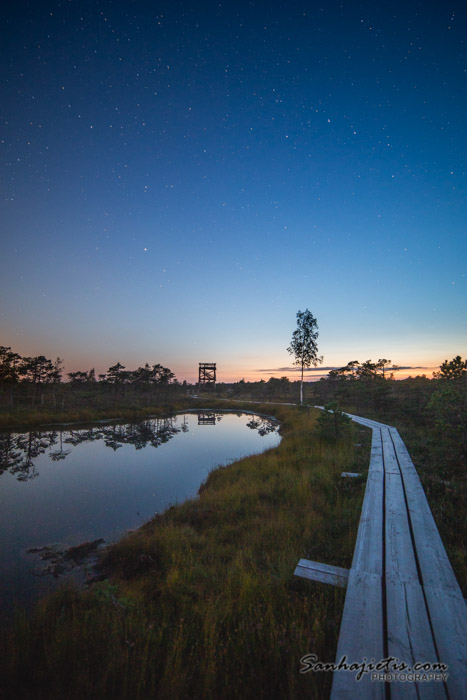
(447, 616)
(409, 636)
(361, 635)
(402, 596)
(324, 573)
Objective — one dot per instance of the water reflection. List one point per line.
(19, 450)
(96, 481)
(205, 418)
(262, 425)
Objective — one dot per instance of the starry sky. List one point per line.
(179, 178)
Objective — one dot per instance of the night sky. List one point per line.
(178, 179)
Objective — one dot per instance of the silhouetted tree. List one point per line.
(350, 371)
(161, 375)
(142, 375)
(80, 377)
(381, 366)
(455, 369)
(9, 362)
(367, 370)
(303, 345)
(39, 371)
(115, 374)
(9, 369)
(77, 377)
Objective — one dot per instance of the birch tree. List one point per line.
(303, 346)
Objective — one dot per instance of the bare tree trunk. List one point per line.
(301, 388)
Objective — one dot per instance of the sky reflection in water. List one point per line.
(68, 486)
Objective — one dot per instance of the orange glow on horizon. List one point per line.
(230, 376)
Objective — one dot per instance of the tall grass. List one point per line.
(201, 601)
(26, 417)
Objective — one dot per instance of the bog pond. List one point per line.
(62, 486)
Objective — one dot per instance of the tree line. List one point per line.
(35, 370)
(40, 370)
(118, 374)
(25, 380)
(364, 388)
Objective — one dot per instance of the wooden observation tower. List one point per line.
(207, 375)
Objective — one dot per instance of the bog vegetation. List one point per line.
(33, 390)
(201, 601)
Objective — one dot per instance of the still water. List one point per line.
(72, 484)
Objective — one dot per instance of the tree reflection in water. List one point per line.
(262, 425)
(19, 450)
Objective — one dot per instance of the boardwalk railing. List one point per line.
(402, 599)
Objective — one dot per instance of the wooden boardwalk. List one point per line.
(402, 599)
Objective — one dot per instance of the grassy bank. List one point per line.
(87, 409)
(30, 417)
(201, 601)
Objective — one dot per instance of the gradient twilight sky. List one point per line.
(180, 178)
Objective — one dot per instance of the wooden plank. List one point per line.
(324, 573)
(389, 454)
(366, 421)
(409, 633)
(358, 419)
(409, 638)
(442, 592)
(361, 632)
(435, 567)
(361, 636)
(376, 456)
(449, 621)
(434, 563)
(424, 623)
(352, 475)
(403, 456)
(370, 423)
(368, 552)
(400, 558)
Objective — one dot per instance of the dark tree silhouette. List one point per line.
(303, 345)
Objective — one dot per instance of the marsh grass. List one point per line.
(201, 601)
(27, 417)
(24, 417)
